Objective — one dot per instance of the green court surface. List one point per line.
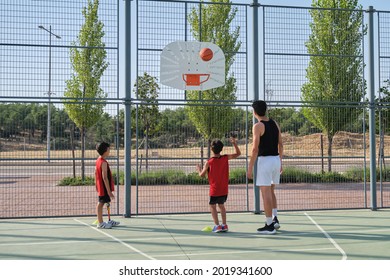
(311, 235)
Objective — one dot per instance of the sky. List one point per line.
(381, 5)
(23, 19)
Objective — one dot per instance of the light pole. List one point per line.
(49, 93)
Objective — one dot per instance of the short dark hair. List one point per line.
(260, 107)
(216, 146)
(102, 148)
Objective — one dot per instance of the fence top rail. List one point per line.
(199, 102)
(198, 2)
(315, 8)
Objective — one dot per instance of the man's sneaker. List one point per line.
(276, 223)
(104, 225)
(267, 229)
(113, 223)
(217, 228)
(225, 228)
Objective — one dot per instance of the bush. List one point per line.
(236, 176)
(295, 175)
(70, 181)
(332, 177)
(195, 179)
(356, 174)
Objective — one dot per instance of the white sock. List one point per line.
(268, 220)
(274, 212)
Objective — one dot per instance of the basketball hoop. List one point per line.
(192, 65)
(195, 79)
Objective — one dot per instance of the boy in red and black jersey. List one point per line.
(217, 169)
(104, 184)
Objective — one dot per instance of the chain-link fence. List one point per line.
(326, 136)
(40, 142)
(383, 101)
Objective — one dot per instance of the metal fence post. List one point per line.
(371, 91)
(127, 120)
(255, 6)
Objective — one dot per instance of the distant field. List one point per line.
(344, 144)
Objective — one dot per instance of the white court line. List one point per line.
(248, 251)
(328, 236)
(117, 240)
(43, 243)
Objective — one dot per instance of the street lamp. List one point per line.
(49, 93)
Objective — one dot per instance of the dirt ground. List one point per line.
(344, 144)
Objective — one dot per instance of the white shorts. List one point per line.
(268, 171)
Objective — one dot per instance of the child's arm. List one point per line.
(202, 172)
(106, 181)
(236, 148)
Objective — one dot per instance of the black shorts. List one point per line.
(218, 199)
(104, 199)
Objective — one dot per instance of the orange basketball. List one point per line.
(206, 54)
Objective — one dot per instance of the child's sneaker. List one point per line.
(225, 228)
(113, 223)
(217, 228)
(104, 225)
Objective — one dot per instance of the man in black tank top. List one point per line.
(267, 150)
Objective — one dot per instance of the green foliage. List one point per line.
(169, 122)
(103, 130)
(30, 121)
(85, 104)
(146, 88)
(290, 120)
(296, 175)
(236, 176)
(195, 179)
(384, 117)
(357, 174)
(212, 23)
(335, 71)
(78, 181)
(83, 96)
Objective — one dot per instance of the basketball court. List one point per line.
(311, 235)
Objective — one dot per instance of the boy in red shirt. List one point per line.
(104, 184)
(217, 168)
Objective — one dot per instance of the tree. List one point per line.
(175, 128)
(335, 71)
(103, 130)
(146, 89)
(86, 97)
(383, 120)
(213, 23)
(384, 101)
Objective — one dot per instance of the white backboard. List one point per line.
(181, 66)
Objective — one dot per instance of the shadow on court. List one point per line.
(315, 235)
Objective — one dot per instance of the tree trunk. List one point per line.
(82, 154)
(202, 153)
(330, 142)
(147, 149)
(322, 153)
(73, 154)
(208, 148)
